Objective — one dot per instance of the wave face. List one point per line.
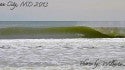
(54, 32)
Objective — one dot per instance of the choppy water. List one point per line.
(60, 54)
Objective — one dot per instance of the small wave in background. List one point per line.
(61, 29)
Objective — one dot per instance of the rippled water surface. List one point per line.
(60, 54)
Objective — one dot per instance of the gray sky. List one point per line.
(68, 10)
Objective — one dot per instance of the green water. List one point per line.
(81, 31)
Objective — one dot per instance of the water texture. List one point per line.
(60, 54)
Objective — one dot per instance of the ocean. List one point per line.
(4, 24)
(62, 45)
(61, 29)
(61, 54)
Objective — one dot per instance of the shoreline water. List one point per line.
(60, 54)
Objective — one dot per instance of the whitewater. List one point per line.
(60, 54)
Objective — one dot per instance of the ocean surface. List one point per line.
(35, 24)
(23, 46)
(38, 29)
(60, 54)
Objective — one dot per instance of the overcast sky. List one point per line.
(68, 10)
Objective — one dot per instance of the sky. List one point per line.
(67, 10)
